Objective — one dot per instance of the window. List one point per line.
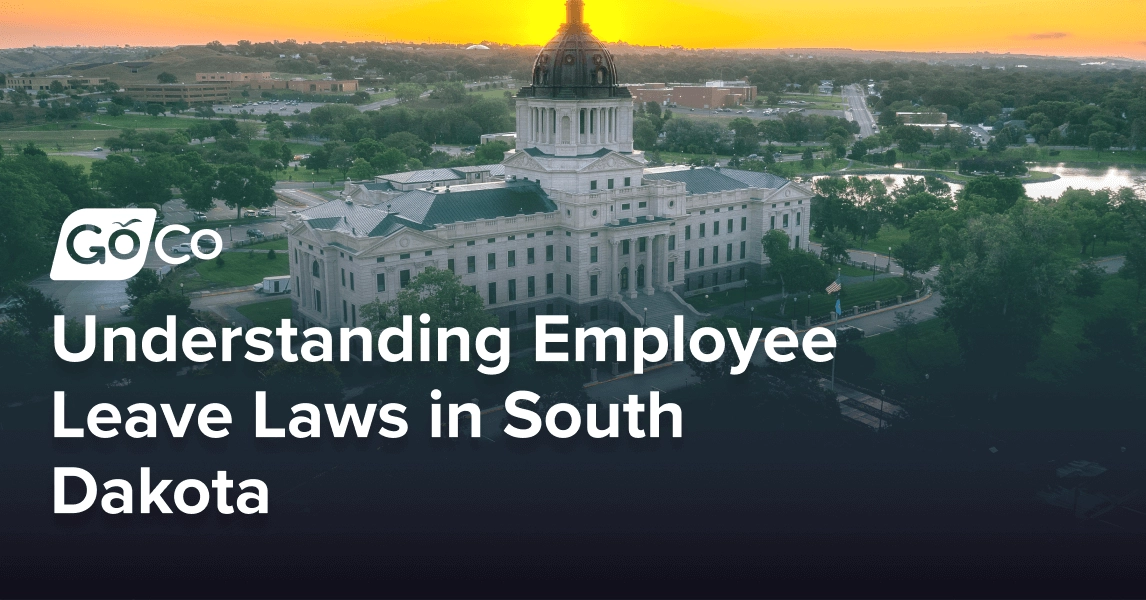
(512, 237)
(592, 254)
(642, 204)
(549, 253)
(593, 313)
(687, 232)
(352, 281)
(492, 292)
(297, 285)
(785, 221)
(672, 271)
(642, 244)
(593, 184)
(672, 242)
(491, 261)
(687, 259)
(381, 282)
(530, 315)
(450, 265)
(700, 257)
(730, 226)
(511, 260)
(743, 250)
(550, 232)
(296, 256)
(728, 253)
(549, 283)
(471, 242)
(343, 277)
(530, 286)
(715, 254)
(512, 290)
(529, 236)
(428, 253)
(403, 256)
(345, 312)
(317, 301)
(742, 273)
(610, 184)
(491, 240)
(568, 285)
(628, 181)
(798, 218)
(716, 228)
(404, 278)
(624, 247)
(314, 268)
(700, 281)
(568, 253)
(592, 285)
(471, 264)
(353, 316)
(529, 255)
(626, 206)
(743, 223)
(701, 232)
(772, 222)
(797, 242)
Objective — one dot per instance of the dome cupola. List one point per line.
(574, 64)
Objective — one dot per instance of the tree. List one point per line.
(438, 293)
(114, 110)
(492, 152)
(913, 257)
(30, 309)
(56, 87)
(128, 182)
(155, 109)
(144, 284)
(1100, 141)
(1002, 287)
(835, 247)
(242, 186)
(407, 92)
(152, 310)
(859, 150)
(644, 134)
(796, 269)
(808, 159)
(745, 138)
(166, 77)
(361, 170)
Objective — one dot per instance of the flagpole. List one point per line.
(839, 271)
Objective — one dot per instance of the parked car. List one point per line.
(250, 213)
(207, 242)
(847, 333)
(97, 149)
(200, 217)
(254, 233)
(125, 309)
(184, 248)
(264, 212)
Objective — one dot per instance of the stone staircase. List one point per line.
(865, 409)
(662, 307)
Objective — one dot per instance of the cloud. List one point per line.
(1050, 35)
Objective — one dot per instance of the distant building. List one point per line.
(231, 77)
(509, 138)
(921, 118)
(35, 84)
(713, 94)
(264, 81)
(170, 93)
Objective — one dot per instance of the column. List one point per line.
(650, 260)
(666, 285)
(615, 278)
(632, 267)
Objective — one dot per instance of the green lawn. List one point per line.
(83, 161)
(267, 314)
(856, 294)
(705, 302)
(238, 269)
(851, 271)
(137, 121)
(888, 236)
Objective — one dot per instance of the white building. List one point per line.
(576, 224)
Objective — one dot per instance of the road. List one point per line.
(857, 103)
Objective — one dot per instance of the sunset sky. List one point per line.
(1099, 27)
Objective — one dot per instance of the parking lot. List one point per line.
(262, 107)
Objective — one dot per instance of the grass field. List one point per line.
(83, 161)
(705, 302)
(238, 269)
(857, 294)
(267, 314)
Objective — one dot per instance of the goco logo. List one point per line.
(110, 244)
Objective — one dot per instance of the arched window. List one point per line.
(314, 268)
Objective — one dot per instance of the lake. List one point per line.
(1068, 177)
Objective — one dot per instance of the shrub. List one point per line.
(271, 254)
(219, 262)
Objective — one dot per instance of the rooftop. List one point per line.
(707, 180)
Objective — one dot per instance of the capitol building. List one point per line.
(572, 221)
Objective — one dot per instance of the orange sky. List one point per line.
(1098, 27)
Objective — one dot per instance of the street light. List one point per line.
(809, 303)
(751, 314)
(645, 317)
(180, 288)
(889, 259)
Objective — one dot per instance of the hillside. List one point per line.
(183, 62)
